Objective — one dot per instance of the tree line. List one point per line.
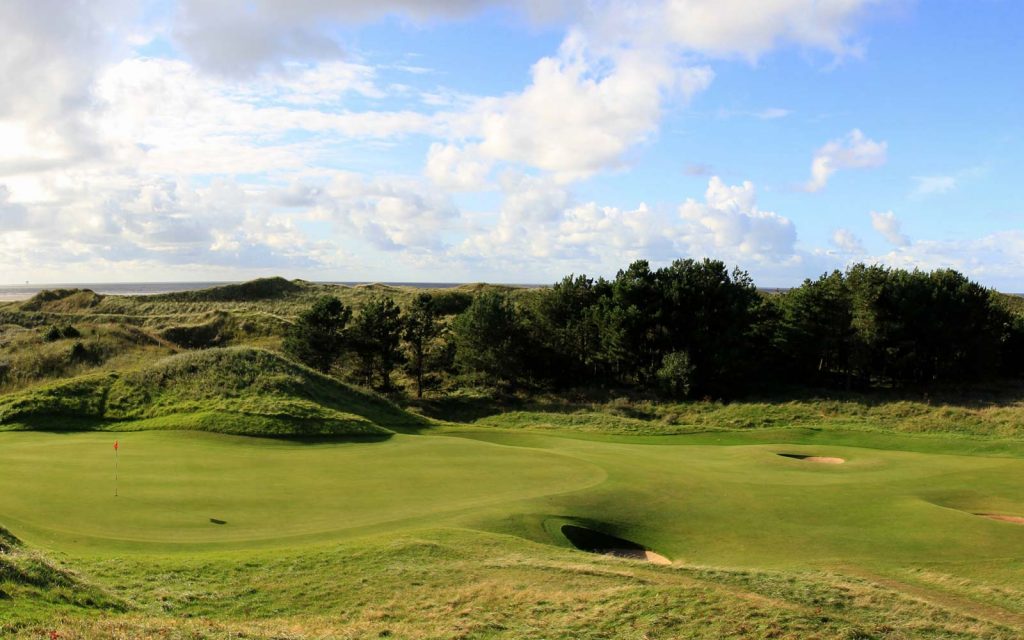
(694, 328)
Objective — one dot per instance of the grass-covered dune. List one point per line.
(234, 390)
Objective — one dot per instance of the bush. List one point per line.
(675, 375)
(79, 353)
(56, 332)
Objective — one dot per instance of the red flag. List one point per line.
(115, 445)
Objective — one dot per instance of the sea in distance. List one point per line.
(10, 293)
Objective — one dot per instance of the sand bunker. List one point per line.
(1002, 518)
(596, 542)
(820, 459)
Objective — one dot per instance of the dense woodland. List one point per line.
(691, 329)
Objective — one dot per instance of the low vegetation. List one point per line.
(231, 390)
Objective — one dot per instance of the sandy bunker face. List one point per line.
(1002, 518)
(596, 542)
(819, 459)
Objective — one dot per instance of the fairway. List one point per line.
(741, 505)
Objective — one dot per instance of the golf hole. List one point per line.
(216, 521)
(596, 542)
(809, 458)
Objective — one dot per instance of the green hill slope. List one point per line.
(233, 390)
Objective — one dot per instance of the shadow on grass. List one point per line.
(645, 405)
(58, 424)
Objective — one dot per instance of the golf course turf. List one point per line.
(917, 517)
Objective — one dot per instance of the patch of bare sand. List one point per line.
(824, 460)
(1002, 518)
(818, 459)
(638, 554)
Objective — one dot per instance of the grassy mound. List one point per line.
(28, 576)
(259, 289)
(232, 390)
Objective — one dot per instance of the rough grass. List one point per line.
(998, 417)
(233, 390)
(30, 358)
(27, 576)
(460, 584)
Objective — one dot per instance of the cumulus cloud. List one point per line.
(887, 225)
(727, 224)
(996, 258)
(855, 151)
(730, 223)
(230, 156)
(392, 214)
(144, 223)
(51, 51)
(458, 169)
(583, 110)
(847, 242)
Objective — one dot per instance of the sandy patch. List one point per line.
(824, 460)
(1002, 518)
(638, 554)
(818, 459)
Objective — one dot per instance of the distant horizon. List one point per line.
(17, 292)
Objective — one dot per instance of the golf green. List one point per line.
(195, 490)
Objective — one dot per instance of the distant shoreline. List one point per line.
(15, 292)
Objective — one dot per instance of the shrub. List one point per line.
(675, 375)
(56, 332)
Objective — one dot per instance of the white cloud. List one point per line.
(847, 242)
(582, 111)
(51, 51)
(739, 28)
(934, 185)
(164, 117)
(729, 223)
(391, 213)
(996, 259)
(887, 225)
(114, 159)
(458, 169)
(160, 222)
(855, 151)
(244, 37)
(12, 215)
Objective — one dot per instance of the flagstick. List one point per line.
(115, 472)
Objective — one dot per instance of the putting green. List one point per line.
(190, 490)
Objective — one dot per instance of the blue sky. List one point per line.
(455, 140)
